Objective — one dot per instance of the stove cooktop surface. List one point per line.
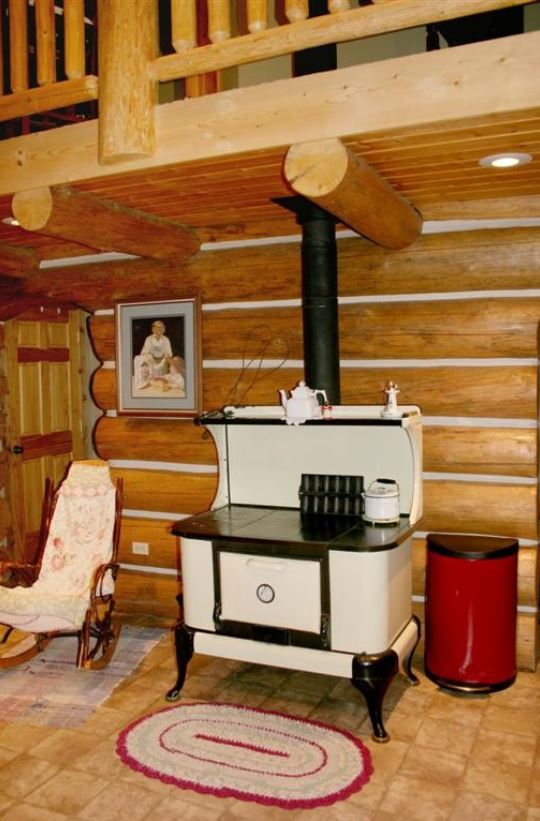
(247, 523)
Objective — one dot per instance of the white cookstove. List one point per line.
(283, 570)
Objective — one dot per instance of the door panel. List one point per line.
(45, 432)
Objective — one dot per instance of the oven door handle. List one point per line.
(266, 565)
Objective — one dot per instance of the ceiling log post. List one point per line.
(127, 47)
(331, 176)
(100, 224)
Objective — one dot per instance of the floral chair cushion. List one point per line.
(80, 539)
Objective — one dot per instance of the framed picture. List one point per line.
(158, 358)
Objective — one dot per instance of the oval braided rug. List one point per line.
(253, 755)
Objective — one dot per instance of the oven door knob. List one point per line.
(266, 593)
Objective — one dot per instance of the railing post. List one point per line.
(127, 46)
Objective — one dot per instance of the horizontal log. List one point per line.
(156, 533)
(443, 329)
(501, 451)
(167, 491)
(107, 226)
(340, 27)
(17, 261)
(165, 440)
(439, 263)
(503, 392)
(474, 507)
(435, 263)
(527, 647)
(148, 594)
(528, 569)
(48, 98)
(330, 175)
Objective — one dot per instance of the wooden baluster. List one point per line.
(74, 57)
(335, 6)
(183, 24)
(18, 41)
(296, 10)
(219, 20)
(45, 42)
(257, 15)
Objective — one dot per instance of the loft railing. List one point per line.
(48, 50)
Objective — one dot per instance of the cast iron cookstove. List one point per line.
(283, 570)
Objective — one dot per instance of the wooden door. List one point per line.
(44, 412)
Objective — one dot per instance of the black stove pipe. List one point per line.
(320, 300)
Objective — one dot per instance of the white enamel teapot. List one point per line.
(302, 403)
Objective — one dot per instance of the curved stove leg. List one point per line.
(372, 675)
(183, 640)
(408, 672)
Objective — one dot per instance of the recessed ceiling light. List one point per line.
(10, 221)
(505, 160)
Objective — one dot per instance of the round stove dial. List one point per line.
(266, 593)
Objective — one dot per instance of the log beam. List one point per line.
(107, 226)
(330, 175)
(127, 47)
(16, 261)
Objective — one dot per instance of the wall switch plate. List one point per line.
(142, 548)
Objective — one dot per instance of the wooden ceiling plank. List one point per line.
(63, 212)
(334, 178)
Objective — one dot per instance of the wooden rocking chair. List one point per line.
(69, 591)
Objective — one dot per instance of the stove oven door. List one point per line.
(268, 597)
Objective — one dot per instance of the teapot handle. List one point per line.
(323, 394)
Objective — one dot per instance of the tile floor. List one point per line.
(463, 758)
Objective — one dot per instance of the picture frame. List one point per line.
(158, 357)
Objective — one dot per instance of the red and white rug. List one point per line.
(253, 755)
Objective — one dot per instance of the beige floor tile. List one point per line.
(22, 737)
(342, 714)
(64, 746)
(175, 808)
(442, 768)
(24, 774)
(463, 709)
(509, 782)
(439, 734)
(416, 799)
(472, 806)
(68, 792)
(511, 720)
(25, 812)
(248, 694)
(121, 801)
(493, 747)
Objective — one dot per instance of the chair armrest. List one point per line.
(22, 574)
(96, 590)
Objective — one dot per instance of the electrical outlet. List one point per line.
(142, 548)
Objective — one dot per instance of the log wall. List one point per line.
(5, 513)
(453, 319)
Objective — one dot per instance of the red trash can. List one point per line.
(471, 608)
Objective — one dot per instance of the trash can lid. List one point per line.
(471, 547)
